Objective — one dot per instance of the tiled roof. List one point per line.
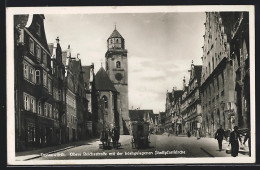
(115, 34)
(76, 66)
(50, 45)
(102, 81)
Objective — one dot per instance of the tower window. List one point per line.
(105, 101)
(118, 64)
(37, 75)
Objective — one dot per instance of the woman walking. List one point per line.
(234, 137)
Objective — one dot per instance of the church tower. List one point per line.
(116, 67)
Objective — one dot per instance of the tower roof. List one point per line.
(115, 34)
(103, 83)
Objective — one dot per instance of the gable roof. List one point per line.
(51, 45)
(115, 34)
(102, 81)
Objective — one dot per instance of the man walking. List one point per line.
(219, 136)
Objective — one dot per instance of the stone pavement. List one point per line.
(210, 146)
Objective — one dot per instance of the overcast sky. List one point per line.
(160, 48)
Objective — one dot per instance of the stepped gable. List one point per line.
(102, 81)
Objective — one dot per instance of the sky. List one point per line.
(160, 48)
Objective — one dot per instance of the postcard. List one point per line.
(130, 85)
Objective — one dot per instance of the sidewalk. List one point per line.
(32, 154)
(210, 146)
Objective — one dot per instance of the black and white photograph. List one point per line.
(130, 85)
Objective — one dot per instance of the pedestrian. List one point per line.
(198, 134)
(234, 137)
(247, 137)
(220, 134)
(188, 133)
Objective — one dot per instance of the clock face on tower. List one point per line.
(118, 76)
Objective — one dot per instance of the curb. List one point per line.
(207, 152)
(51, 152)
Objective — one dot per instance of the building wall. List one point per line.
(36, 123)
(218, 94)
(71, 116)
(240, 55)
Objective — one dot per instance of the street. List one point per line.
(161, 146)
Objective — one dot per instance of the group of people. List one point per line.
(107, 135)
(234, 139)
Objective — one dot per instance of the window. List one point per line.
(59, 95)
(26, 102)
(38, 53)
(32, 105)
(44, 58)
(50, 111)
(105, 101)
(44, 79)
(30, 132)
(31, 46)
(29, 103)
(25, 71)
(49, 86)
(118, 64)
(45, 109)
(37, 77)
(31, 75)
(39, 108)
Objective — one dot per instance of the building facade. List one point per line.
(191, 103)
(217, 81)
(70, 90)
(239, 46)
(117, 70)
(59, 102)
(88, 76)
(36, 123)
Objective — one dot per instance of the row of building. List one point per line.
(57, 99)
(218, 91)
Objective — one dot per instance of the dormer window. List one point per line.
(118, 64)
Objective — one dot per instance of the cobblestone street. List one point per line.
(161, 146)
